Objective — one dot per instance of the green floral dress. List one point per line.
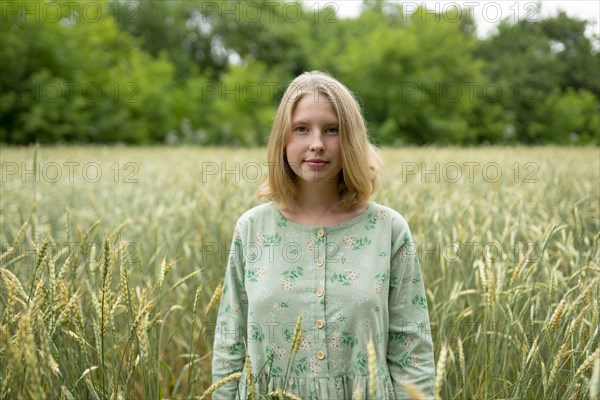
(351, 282)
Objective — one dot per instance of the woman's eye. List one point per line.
(300, 129)
(332, 131)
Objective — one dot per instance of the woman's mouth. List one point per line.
(315, 163)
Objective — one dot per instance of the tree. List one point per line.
(534, 63)
(79, 79)
(581, 61)
(413, 79)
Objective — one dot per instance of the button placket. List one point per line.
(320, 266)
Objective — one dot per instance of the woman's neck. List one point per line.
(316, 199)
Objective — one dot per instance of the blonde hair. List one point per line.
(356, 184)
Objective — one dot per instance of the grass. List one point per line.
(106, 279)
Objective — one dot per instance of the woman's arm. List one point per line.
(229, 348)
(410, 346)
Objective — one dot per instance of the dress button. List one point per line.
(320, 233)
(320, 355)
(319, 324)
(320, 262)
(319, 292)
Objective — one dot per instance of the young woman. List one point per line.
(320, 248)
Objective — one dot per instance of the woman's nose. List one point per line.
(316, 143)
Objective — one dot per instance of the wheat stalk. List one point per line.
(491, 290)
(587, 363)
(557, 315)
(413, 392)
(11, 249)
(461, 361)
(249, 382)
(216, 385)
(562, 352)
(595, 381)
(215, 298)
(440, 371)
(372, 363)
(282, 394)
(297, 337)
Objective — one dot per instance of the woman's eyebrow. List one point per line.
(304, 122)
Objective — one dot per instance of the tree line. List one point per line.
(212, 72)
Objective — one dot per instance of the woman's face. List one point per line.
(313, 145)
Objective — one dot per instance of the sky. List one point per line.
(487, 13)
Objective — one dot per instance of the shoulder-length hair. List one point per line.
(361, 161)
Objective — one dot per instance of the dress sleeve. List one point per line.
(410, 346)
(229, 347)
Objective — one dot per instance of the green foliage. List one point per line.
(243, 104)
(572, 116)
(416, 92)
(535, 64)
(86, 82)
(211, 73)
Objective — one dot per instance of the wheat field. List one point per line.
(111, 258)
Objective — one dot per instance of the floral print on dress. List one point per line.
(290, 276)
(265, 240)
(348, 339)
(256, 334)
(380, 280)
(314, 366)
(300, 366)
(414, 360)
(420, 302)
(311, 244)
(373, 217)
(348, 241)
(370, 265)
(232, 308)
(403, 361)
(361, 243)
(254, 274)
(281, 307)
(360, 363)
(349, 277)
(278, 350)
(306, 343)
(403, 338)
(282, 221)
(335, 341)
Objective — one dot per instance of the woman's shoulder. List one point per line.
(384, 211)
(261, 212)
